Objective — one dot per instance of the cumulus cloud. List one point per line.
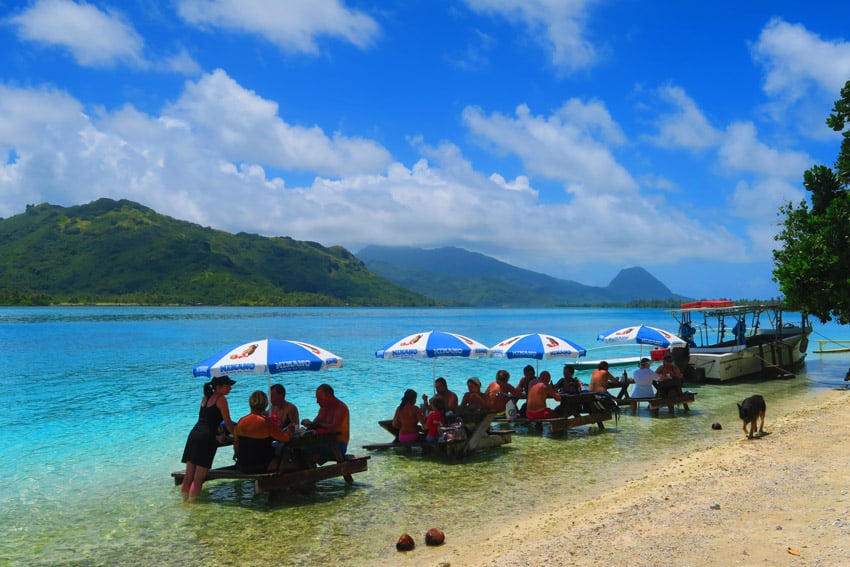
(796, 59)
(571, 145)
(246, 126)
(685, 126)
(292, 26)
(191, 161)
(742, 151)
(95, 38)
(557, 24)
(804, 74)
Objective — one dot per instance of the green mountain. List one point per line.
(122, 252)
(457, 276)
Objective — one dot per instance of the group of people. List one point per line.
(257, 437)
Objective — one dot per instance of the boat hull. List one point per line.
(765, 358)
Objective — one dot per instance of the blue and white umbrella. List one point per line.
(268, 356)
(641, 335)
(433, 344)
(538, 346)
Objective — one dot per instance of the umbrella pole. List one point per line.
(434, 370)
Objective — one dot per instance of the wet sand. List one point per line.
(779, 499)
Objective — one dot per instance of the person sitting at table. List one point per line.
(436, 417)
(500, 391)
(569, 384)
(407, 418)
(442, 391)
(527, 381)
(601, 379)
(643, 379)
(253, 435)
(333, 416)
(474, 399)
(282, 412)
(668, 378)
(538, 394)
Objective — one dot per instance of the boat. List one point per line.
(614, 355)
(843, 346)
(728, 341)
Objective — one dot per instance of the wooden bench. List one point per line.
(558, 425)
(294, 470)
(477, 435)
(656, 403)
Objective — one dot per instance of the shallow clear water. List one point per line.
(97, 402)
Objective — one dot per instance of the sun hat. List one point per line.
(475, 380)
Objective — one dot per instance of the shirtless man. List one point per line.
(500, 391)
(537, 396)
(443, 393)
(527, 381)
(669, 377)
(569, 384)
(601, 379)
(333, 416)
(283, 413)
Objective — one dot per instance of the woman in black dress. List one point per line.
(202, 443)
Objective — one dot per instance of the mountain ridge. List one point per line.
(453, 275)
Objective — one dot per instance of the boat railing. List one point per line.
(830, 345)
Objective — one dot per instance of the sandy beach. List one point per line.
(779, 499)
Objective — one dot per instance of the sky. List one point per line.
(573, 138)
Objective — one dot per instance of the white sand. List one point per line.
(744, 502)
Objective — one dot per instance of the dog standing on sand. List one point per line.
(750, 410)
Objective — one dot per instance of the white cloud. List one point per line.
(557, 24)
(292, 26)
(741, 151)
(245, 126)
(571, 145)
(95, 38)
(209, 159)
(796, 60)
(685, 127)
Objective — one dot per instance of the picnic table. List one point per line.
(656, 402)
(474, 433)
(575, 409)
(295, 468)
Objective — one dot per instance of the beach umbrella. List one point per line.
(433, 345)
(642, 335)
(537, 346)
(268, 356)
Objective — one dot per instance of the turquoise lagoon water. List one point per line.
(96, 404)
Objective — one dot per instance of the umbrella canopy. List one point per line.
(538, 346)
(642, 335)
(433, 344)
(268, 356)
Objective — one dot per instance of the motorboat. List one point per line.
(728, 341)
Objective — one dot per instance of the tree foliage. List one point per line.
(122, 252)
(813, 265)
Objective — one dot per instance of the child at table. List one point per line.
(435, 419)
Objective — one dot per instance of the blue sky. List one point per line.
(573, 138)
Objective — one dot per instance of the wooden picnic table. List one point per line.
(573, 414)
(295, 468)
(656, 402)
(477, 434)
